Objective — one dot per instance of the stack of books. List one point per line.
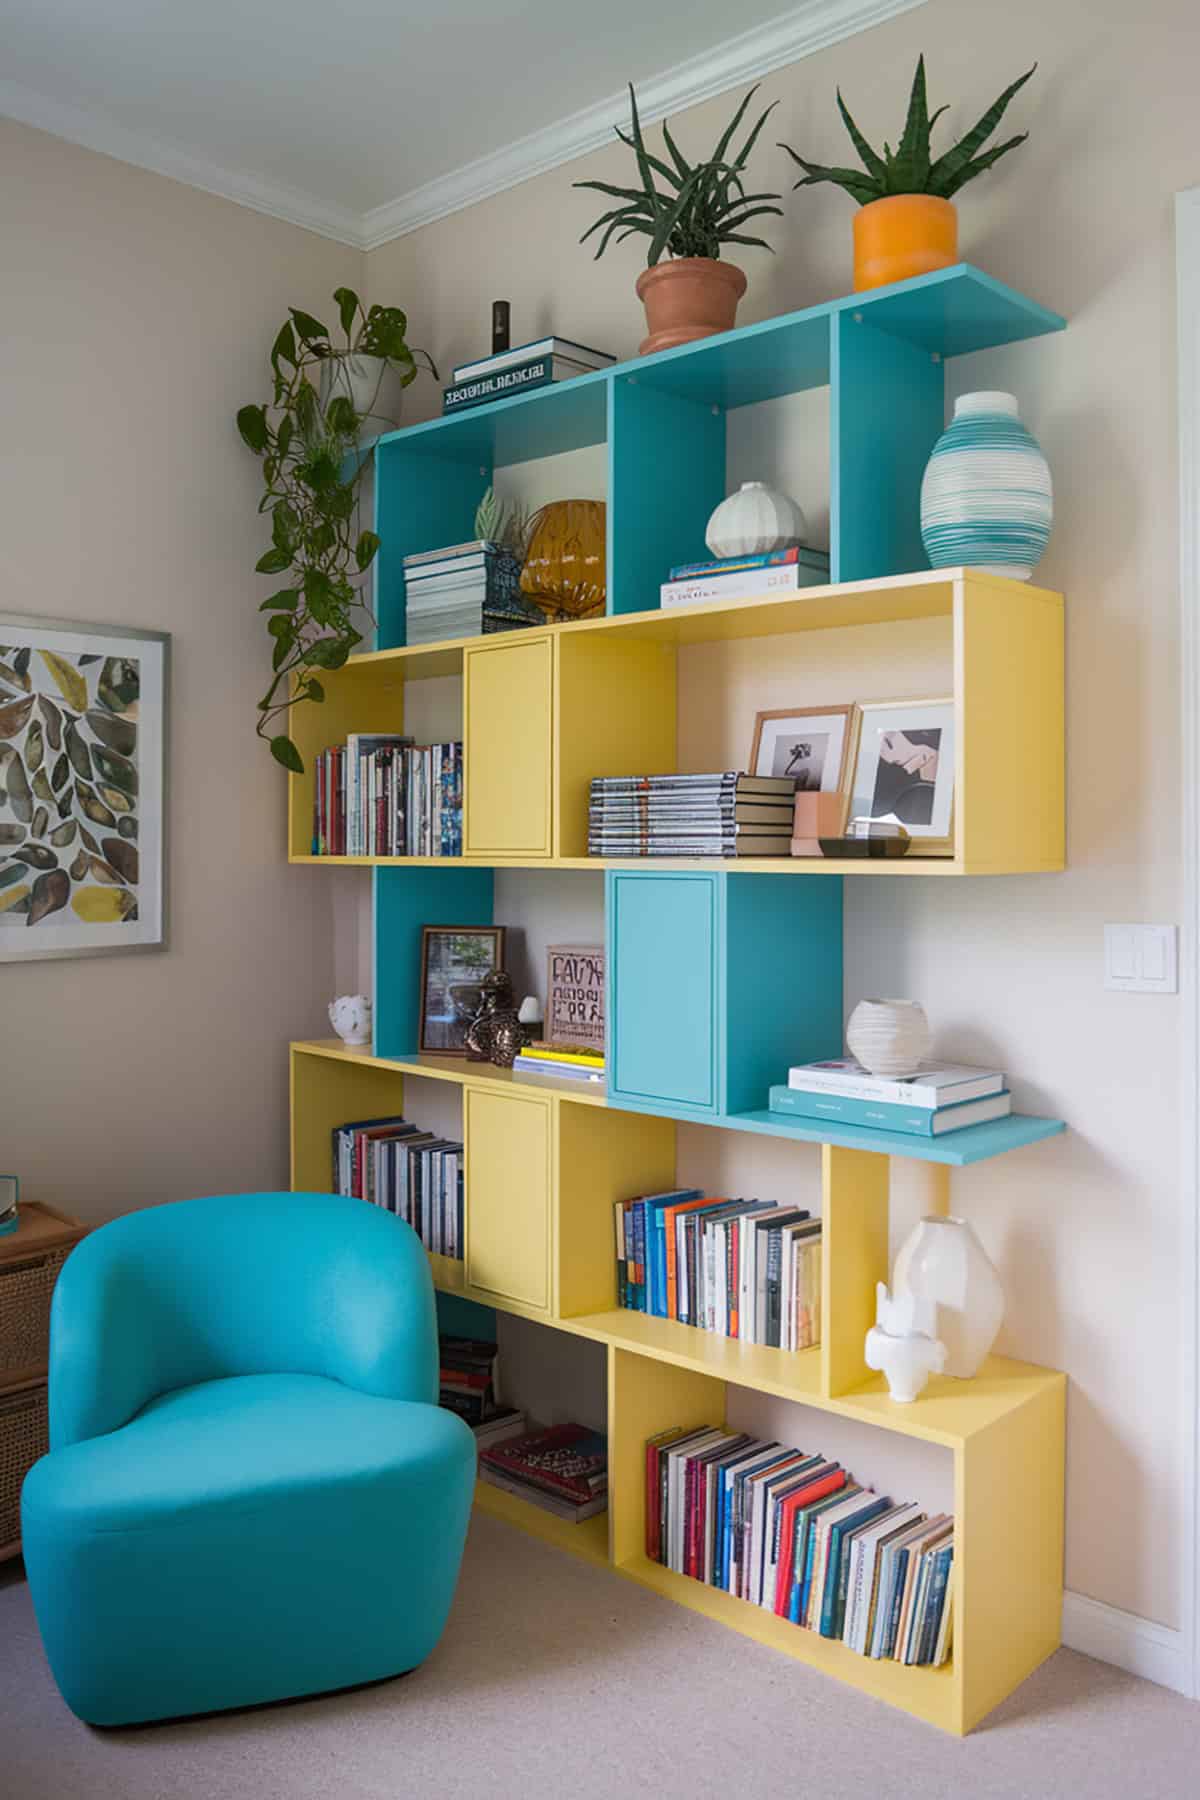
(724, 814)
(739, 577)
(470, 1386)
(376, 795)
(563, 1470)
(566, 1062)
(465, 590)
(746, 1269)
(927, 1104)
(413, 1173)
(797, 1535)
(507, 372)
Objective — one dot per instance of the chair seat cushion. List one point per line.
(247, 1442)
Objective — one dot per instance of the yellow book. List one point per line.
(565, 1053)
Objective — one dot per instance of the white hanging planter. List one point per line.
(373, 386)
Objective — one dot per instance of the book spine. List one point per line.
(727, 587)
(917, 1121)
(537, 373)
(731, 565)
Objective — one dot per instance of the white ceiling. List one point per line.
(364, 118)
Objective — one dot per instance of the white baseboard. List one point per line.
(1139, 1646)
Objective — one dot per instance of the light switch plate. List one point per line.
(1142, 959)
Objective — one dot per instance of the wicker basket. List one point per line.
(24, 1436)
(26, 1284)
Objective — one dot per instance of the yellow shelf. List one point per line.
(790, 1374)
(453, 1068)
(588, 1539)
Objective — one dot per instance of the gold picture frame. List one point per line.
(821, 753)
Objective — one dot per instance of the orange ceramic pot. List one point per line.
(689, 298)
(902, 236)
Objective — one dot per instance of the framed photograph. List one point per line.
(455, 962)
(83, 716)
(904, 770)
(575, 995)
(812, 743)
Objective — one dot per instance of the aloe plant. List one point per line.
(910, 168)
(693, 208)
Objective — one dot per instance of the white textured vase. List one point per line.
(942, 1260)
(888, 1037)
(373, 385)
(986, 496)
(755, 520)
(350, 1016)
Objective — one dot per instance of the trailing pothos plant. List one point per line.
(313, 466)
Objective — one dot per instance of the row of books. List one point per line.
(378, 795)
(565, 1062)
(413, 1173)
(747, 1269)
(798, 1536)
(507, 372)
(927, 1104)
(563, 1469)
(732, 577)
(465, 590)
(722, 814)
(469, 1385)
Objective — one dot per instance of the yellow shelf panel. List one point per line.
(381, 862)
(790, 1374)
(929, 1694)
(588, 1539)
(454, 1068)
(447, 1271)
(950, 1411)
(735, 865)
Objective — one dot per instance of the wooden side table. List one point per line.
(30, 1259)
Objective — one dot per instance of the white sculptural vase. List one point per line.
(943, 1261)
(350, 1016)
(754, 520)
(902, 1345)
(888, 1037)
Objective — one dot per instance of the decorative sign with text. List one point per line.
(575, 995)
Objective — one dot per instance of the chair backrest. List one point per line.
(241, 1284)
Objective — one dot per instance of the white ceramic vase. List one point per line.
(943, 1261)
(350, 1016)
(755, 520)
(889, 1037)
(372, 385)
(901, 1343)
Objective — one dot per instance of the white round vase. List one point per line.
(350, 1016)
(986, 495)
(755, 520)
(942, 1260)
(373, 385)
(888, 1037)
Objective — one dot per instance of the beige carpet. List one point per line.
(558, 1679)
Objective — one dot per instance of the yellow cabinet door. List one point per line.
(508, 1187)
(508, 716)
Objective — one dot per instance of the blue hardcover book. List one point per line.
(931, 1623)
(767, 559)
(833, 1610)
(637, 1222)
(755, 1459)
(656, 1232)
(918, 1121)
(802, 1574)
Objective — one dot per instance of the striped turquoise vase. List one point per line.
(986, 496)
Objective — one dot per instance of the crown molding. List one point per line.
(814, 25)
(79, 126)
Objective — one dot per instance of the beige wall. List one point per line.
(136, 315)
(1087, 1229)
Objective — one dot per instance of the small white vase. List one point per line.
(902, 1345)
(755, 520)
(350, 1016)
(889, 1037)
(943, 1261)
(373, 385)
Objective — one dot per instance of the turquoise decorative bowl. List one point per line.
(986, 497)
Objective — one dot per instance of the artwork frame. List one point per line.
(575, 995)
(873, 797)
(834, 728)
(76, 696)
(444, 967)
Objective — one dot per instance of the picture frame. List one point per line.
(575, 985)
(455, 962)
(817, 744)
(83, 777)
(904, 770)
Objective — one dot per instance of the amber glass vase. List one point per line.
(565, 569)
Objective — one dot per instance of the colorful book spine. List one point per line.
(539, 372)
(733, 565)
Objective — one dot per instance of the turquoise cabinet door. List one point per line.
(664, 1031)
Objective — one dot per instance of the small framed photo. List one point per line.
(575, 995)
(904, 770)
(814, 744)
(456, 960)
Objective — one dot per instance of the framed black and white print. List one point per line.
(904, 770)
(82, 782)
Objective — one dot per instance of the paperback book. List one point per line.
(415, 1174)
(519, 378)
(581, 354)
(882, 1115)
(386, 796)
(929, 1087)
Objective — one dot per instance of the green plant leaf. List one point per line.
(872, 162)
(309, 329)
(859, 185)
(943, 176)
(285, 752)
(341, 417)
(283, 438)
(313, 689)
(656, 163)
(741, 160)
(252, 424)
(286, 599)
(365, 549)
(670, 219)
(677, 156)
(980, 163)
(910, 169)
(273, 563)
(331, 653)
(346, 301)
(726, 137)
(284, 347)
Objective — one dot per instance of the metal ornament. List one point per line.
(496, 1034)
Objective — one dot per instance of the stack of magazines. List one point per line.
(465, 590)
(563, 1470)
(566, 1062)
(724, 814)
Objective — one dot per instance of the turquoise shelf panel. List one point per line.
(780, 356)
(405, 900)
(666, 472)
(975, 1144)
(953, 312)
(421, 503)
(568, 415)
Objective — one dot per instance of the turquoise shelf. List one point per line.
(975, 1144)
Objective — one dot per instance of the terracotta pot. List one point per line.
(902, 236)
(690, 298)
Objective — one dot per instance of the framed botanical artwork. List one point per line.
(456, 960)
(575, 995)
(83, 714)
(814, 744)
(904, 770)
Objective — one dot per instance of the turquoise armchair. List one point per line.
(251, 1492)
